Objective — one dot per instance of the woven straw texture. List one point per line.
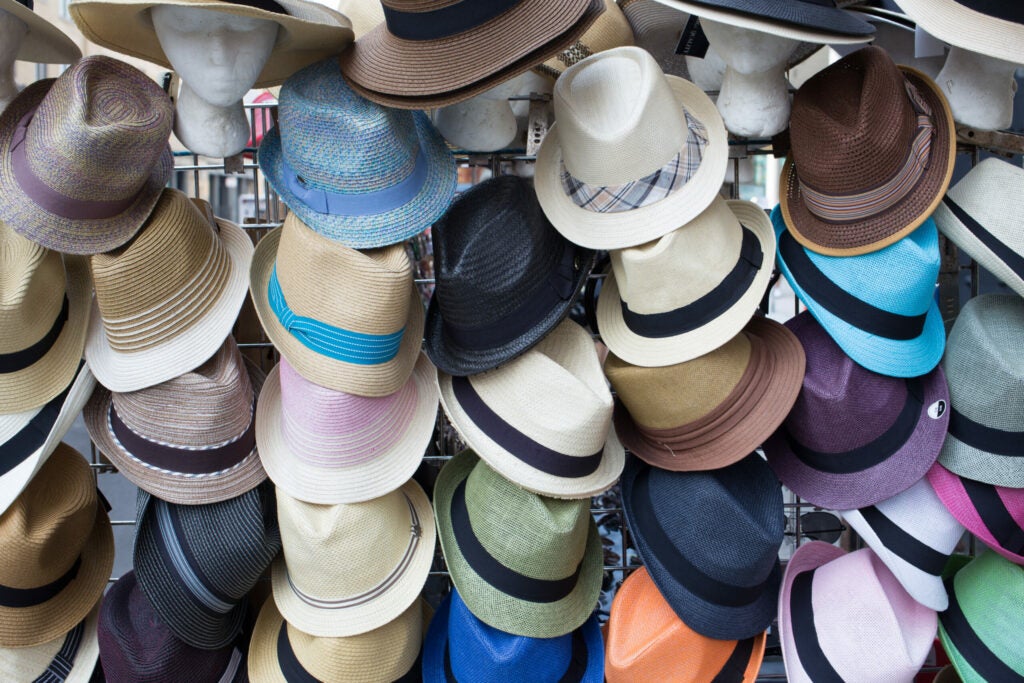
(44, 42)
(100, 130)
(337, 141)
(364, 15)
(308, 31)
(27, 663)
(540, 537)
(955, 23)
(985, 370)
(611, 30)
(656, 28)
(55, 521)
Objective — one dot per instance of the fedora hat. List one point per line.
(854, 437)
(995, 29)
(711, 411)
(648, 643)
(657, 28)
(136, 645)
(710, 541)
(879, 307)
(544, 419)
(460, 647)
(44, 42)
(985, 372)
(307, 31)
(329, 447)
(982, 214)
(505, 277)
(364, 15)
(80, 174)
(914, 534)
(347, 320)
(423, 57)
(611, 30)
(523, 563)
(58, 552)
(281, 653)
(602, 179)
(359, 173)
(190, 440)
(351, 568)
(873, 147)
(68, 658)
(689, 292)
(845, 617)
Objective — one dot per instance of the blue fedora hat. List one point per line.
(460, 647)
(879, 307)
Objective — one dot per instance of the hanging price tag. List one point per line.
(692, 41)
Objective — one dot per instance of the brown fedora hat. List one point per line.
(714, 410)
(873, 147)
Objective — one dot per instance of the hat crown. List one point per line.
(110, 123)
(617, 105)
(992, 193)
(32, 290)
(990, 593)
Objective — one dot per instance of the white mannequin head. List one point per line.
(12, 33)
(484, 123)
(980, 89)
(708, 72)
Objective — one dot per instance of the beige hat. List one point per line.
(68, 658)
(609, 31)
(633, 153)
(691, 291)
(349, 569)
(166, 301)
(365, 15)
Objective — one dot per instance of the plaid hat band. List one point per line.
(455, 18)
(19, 360)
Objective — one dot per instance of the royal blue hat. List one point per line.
(460, 647)
(879, 307)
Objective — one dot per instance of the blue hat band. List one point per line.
(575, 672)
(972, 648)
(444, 22)
(63, 662)
(176, 556)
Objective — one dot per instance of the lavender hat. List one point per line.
(854, 437)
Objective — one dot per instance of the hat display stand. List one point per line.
(980, 89)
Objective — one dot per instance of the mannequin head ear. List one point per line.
(218, 55)
(748, 51)
(12, 31)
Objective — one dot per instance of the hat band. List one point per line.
(236, 658)
(493, 572)
(364, 204)
(994, 515)
(735, 668)
(33, 435)
(805, 635)
(27, 357)
(843, 304)
(906, 546)
(972, 648)
(265, 5)
(517, 444)
(290, 666)
(59, 668)
(984, 438)
(1008, 256)
(49, 199)
(579, 659)
(30, 597)
(1000, 9)
(340, 344)
(444, 22)
(708, 307)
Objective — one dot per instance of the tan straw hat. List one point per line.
(68, 658)
(58, 552)
(347, 320)
(633, 154)
(349, 569)
(165, 302)
(308, 31)
(686, 294)
(609, 31)
(44, 42)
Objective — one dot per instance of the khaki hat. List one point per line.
(68, 658)
(610, 30)
(44, 42)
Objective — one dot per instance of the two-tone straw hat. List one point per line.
(68, 658)
(44, 42)
(995, 29)
(83, 157)
(611, 30)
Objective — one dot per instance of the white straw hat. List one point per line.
(995, 29)
(44, 42)
(69, 658)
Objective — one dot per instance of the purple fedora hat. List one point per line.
(854, 437)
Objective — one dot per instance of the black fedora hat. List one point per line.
(505, 277)
(710, 541)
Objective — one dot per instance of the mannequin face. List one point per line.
(748, 51)
(12, 32)
(218, 55)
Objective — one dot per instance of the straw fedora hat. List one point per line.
(365, 15)
(76, 174)
(166, 302)
(329, 447)
(648, 643)
(828, 595)
(58, 552)
(982, 214)
(44, 42)
(523, 563)
(68, 658)
(692, 290)
(714, 410)
(505, 277)
(873, 148)
(190, 440)
(611, 30)
(364, 175)
(544, 419)
(995, 29)
(602, 179)
(308, 31)
(347, 320)
(351, 568)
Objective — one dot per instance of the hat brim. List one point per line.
(381, 229)
(79, 236)
(362, 380)
(174, 487)
(955, 23)
(629, 228)
(30, 663)
(500, 610)
(308, 33)
(824, 24)
(44, 42)
(384, 473)
(774, 399)
(889, 226)
(657, 352)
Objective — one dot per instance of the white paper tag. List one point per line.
(927, 45)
